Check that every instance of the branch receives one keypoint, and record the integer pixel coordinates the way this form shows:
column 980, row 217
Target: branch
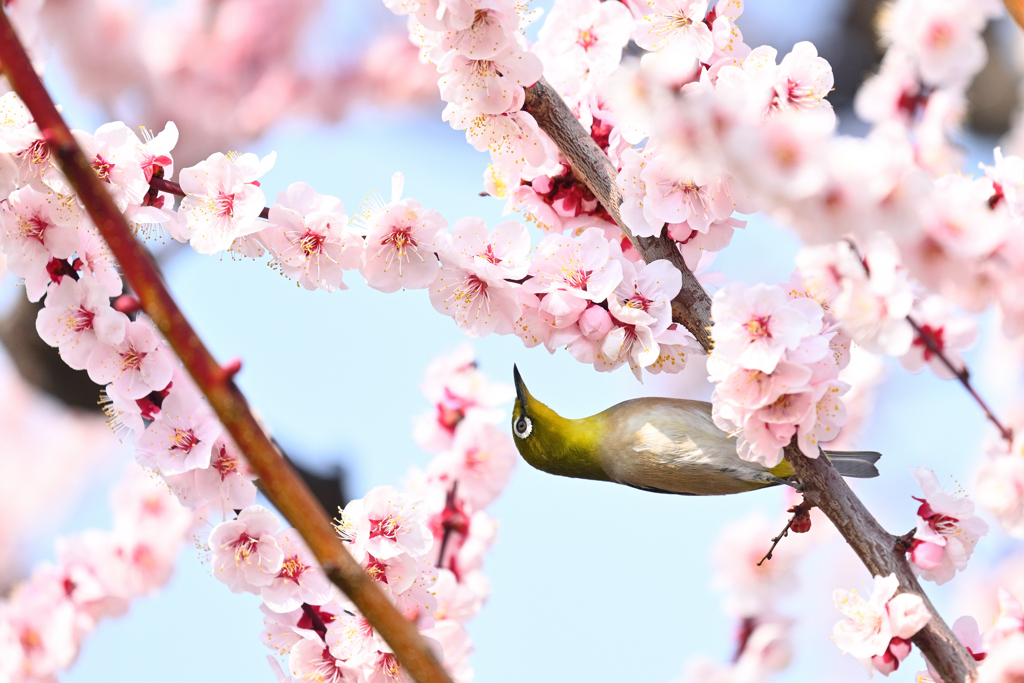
column 881, row 554
column 692, row 307
column 282, row 485
column 821, row 484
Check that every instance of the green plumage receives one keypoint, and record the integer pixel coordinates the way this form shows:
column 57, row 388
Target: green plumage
column 656, row 444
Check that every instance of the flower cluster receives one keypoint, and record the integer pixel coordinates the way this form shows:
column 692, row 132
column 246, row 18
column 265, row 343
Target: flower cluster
column 776, row 364
column 877, row 631
column 947, row 531
column 425, row 549
column 96, row 575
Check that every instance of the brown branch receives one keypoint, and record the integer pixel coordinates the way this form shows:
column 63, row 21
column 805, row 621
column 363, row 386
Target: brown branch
column 692, row 307
column 821, row 484
column 878, row 550
column 282, row 485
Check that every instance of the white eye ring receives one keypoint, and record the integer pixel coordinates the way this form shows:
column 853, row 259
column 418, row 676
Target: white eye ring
column 523, row 427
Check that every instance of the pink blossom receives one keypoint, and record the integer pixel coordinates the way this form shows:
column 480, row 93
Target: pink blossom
column 966, row 630
column 182, row 437
column 581, row 43
column 114, row 154
column 632, row 344
column 644, row 297
column 155, row 152
column 871, row 625
column 479, row 302
column 401, row 239
column 223, row 200
column 582, row 268
column 513, row 139
column 490, row 86
column 387, row 523
column 311, row 660
column 246, row 555
column 36, row 230
column 43, row 621
column 77, row 319
column 1000, row 485
column 947, row 531
column 138, row 365
column 676, row 22
column 950, row 334
column 309, row 235
column 480, row 463
column 487, row 35
column 944, row 36
column 502, row 254
column 750, row 590
column 96, row 260
column 874, row 308
column 351, row 637
column 755, row 325
column 299, row 578
column 1010, row 620
column 228, row 479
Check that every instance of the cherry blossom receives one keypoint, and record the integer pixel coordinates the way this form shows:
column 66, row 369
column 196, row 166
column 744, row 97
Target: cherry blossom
column 490, row 86
column 308, row 234
column 644, row 297
column 115, row 156
column 479, row 302
column 503, row 253
column 246, row 555
column 1000, row 484
column 580, row 269
column 676, row 22
column 950, row 334
column 311, row 660
column 36, row 230
column 871, row 626
column 754, row 326
column 387, row 523
column 299, row 578
column 223, row 199
column 947, row 531
column 480, row 462
column 228, row 479
column 182, row 437
column 78, row 319
column 401, row 238
column 138, row 365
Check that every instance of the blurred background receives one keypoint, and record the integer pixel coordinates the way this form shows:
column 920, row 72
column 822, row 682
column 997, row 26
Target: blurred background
column 590, row 581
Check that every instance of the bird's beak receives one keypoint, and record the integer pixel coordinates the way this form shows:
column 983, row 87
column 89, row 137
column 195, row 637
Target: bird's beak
column 521, row 392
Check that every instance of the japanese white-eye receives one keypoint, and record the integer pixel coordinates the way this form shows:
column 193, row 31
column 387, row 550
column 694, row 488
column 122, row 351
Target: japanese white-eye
column 665, row 445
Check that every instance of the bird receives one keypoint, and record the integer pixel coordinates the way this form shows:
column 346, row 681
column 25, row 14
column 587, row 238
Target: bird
column 662, row 445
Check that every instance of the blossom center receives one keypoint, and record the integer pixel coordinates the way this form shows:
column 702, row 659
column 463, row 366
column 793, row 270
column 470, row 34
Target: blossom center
column 400, row 238
column 80, row 319
column 224, row 205
column 312, row 243
column 489, row 255
column 385, row 528
column 183, row 440
column 131, row 359
column 586, row 38
column 292, row 568
column 33, row 228
column 376, row 569
column 576, row 277
column 103, row 167
column 757, row 327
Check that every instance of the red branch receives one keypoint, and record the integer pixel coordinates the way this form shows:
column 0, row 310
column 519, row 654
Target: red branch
column 280, row 482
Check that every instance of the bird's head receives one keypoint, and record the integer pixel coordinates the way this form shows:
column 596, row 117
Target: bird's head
column 553, row 443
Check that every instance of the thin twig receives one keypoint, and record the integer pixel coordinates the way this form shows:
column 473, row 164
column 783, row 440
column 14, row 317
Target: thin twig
column 961, row 373
column 282, row 485
column 798, row 511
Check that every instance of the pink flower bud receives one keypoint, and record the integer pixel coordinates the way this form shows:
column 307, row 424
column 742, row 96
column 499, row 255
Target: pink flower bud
column 900, row 648
column 595, row 323
column 926, row 555
column 885, row 663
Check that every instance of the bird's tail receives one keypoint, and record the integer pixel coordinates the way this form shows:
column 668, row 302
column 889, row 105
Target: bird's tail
column 859, row 464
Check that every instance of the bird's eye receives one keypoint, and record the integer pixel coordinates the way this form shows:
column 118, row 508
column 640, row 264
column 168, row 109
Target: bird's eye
column 523, row 427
